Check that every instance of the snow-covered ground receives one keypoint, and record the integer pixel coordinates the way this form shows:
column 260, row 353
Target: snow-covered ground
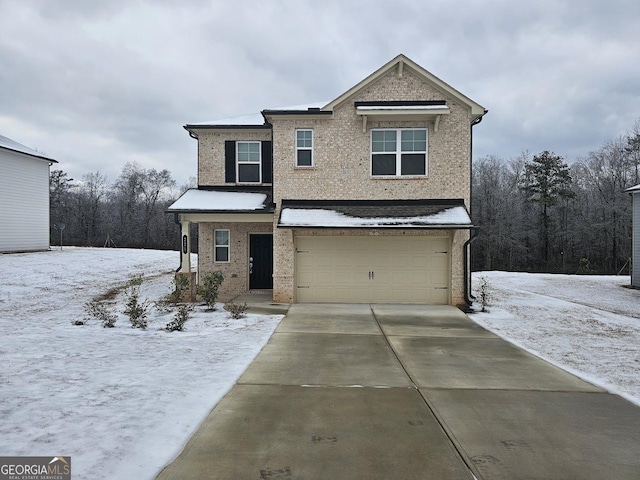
column 120, row 401
column 588, row 325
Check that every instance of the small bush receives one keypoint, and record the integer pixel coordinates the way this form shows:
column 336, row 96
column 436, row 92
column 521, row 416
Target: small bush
column 136, row 310
column 236, row 310
column 97, row 309
column 180, row 285
column 484, row 293
column 584, row 266
column 209, row 286
column 180, row 318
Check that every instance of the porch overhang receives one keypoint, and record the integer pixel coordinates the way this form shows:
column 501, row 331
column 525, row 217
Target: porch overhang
column 375, row 214
column 222, row 204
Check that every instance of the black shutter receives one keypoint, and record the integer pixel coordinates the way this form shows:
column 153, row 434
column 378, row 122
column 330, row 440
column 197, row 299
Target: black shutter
column 230, row 161
column 267, row 162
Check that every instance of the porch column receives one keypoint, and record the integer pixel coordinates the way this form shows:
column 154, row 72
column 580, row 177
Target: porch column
column 185, row 247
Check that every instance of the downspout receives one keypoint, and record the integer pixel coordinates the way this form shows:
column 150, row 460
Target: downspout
column 468, row 297
column 176, row 218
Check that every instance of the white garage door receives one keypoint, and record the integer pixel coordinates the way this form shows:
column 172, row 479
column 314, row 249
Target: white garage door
column 373, row 269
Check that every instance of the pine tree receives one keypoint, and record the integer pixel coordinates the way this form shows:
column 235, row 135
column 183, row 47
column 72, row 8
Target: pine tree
column 546, row 181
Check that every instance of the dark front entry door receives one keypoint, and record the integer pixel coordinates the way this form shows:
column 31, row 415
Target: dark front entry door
column 260, row 262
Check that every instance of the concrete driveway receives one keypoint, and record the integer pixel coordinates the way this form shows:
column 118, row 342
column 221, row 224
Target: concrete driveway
column 407, row 392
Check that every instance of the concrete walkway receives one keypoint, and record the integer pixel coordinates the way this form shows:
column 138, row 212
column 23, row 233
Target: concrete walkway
column 407, row 392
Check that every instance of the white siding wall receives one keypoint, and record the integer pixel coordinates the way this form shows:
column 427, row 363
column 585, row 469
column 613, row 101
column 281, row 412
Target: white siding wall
column 635, row 273
column 24, row 202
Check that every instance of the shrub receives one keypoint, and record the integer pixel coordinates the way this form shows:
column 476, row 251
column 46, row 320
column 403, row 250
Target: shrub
column 180, row 318
column 484, row 293
column 236, row 310
column 584, row 266
column 209, row 286
column 97, row 309
column 136, row 310
column 180, row 285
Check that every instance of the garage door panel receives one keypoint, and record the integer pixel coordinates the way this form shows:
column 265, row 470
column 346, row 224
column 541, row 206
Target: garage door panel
column 368, row 269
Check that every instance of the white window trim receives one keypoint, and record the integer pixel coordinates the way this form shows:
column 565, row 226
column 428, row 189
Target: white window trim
column 238, row 162
column 304, row 148
column 398, row 153
column 216, row 246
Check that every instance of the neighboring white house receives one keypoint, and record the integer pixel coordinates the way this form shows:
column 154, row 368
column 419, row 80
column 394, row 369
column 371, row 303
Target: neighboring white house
column 24, row 198
column 635, row 257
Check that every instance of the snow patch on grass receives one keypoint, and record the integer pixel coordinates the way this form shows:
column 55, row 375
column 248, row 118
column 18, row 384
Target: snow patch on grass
column 120, row 401
column 588, row 325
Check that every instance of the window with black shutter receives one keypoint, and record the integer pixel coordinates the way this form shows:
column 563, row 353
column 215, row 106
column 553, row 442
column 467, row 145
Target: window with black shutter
column 248, row 161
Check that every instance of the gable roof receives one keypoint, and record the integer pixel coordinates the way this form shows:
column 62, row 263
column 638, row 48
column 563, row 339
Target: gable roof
column 401, row 62
column 261, row 120
column 8, row 144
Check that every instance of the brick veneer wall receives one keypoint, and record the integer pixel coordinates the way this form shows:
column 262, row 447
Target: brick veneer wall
column 236, row 271
column 341, row 168
column 342, row 151
column 211, row 151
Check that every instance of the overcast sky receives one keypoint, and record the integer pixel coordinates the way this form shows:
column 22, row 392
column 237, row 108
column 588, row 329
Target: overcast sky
column 97, row 84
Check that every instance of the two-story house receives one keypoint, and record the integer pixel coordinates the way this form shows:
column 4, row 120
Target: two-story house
column 362, row 199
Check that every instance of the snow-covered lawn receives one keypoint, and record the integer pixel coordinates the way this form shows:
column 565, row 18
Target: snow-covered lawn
column 589, row 325
column 121, row 401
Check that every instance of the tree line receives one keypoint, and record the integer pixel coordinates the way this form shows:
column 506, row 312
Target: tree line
column 535, row 213
column 538, row 213
column 129, row 212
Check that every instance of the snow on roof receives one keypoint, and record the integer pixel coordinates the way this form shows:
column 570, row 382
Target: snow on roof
column 318, row 217
column 256, row 118
column 251, row 119
column 9, row 144
column 633, row 189
column 215, row 200
column 302, row 108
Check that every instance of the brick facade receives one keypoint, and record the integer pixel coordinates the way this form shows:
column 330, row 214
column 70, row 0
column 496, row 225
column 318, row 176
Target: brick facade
column 342, row 166
column 236, row 271
column 342, row 151
column 342, row 171
column 211, row 151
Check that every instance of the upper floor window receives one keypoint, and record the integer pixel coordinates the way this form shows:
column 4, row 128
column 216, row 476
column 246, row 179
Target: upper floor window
column 304, row 148
column 248, row 162
column 398, row 152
